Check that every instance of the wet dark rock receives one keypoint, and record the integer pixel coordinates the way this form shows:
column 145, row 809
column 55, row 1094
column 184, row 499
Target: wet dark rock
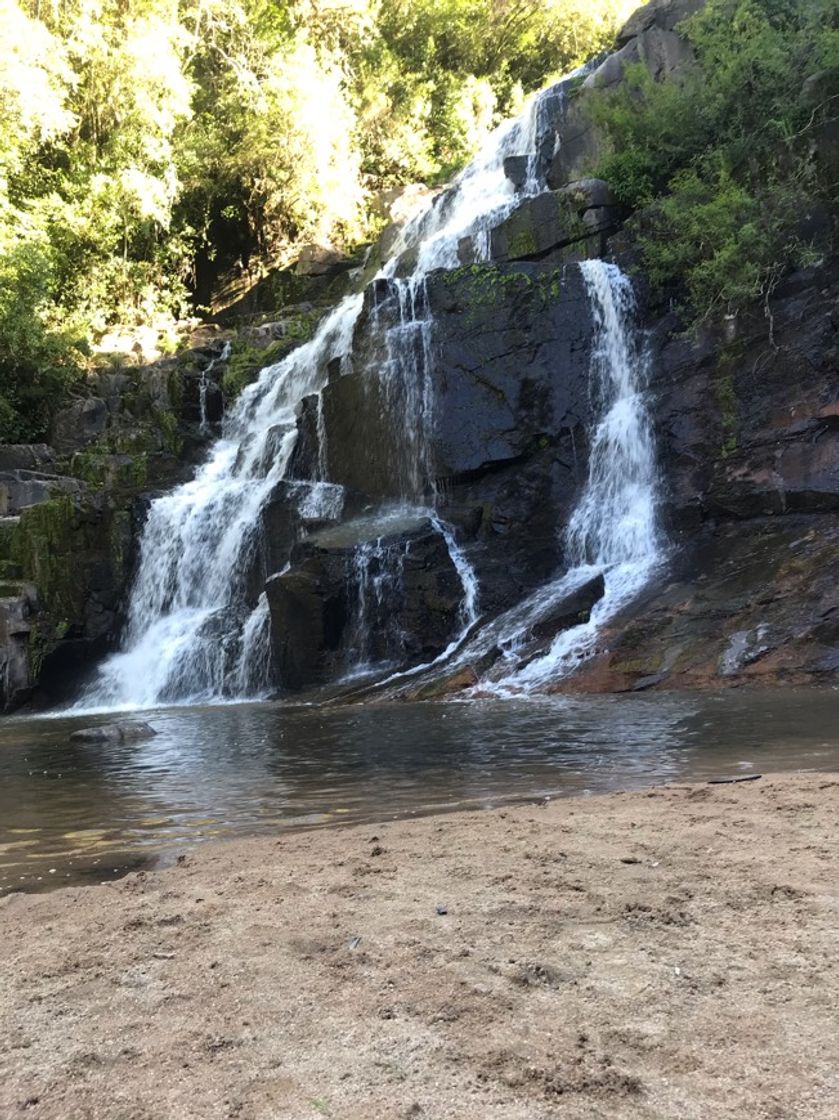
column 515, row 169
column 746, row 416
column 448, row 681
column 295, row 509
column 123, row 731
column 410, row 602
column 574, row 609
column 506, row 450
column 548, row 221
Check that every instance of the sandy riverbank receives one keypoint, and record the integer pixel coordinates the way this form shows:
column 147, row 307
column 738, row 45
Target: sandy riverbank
column 668, row 954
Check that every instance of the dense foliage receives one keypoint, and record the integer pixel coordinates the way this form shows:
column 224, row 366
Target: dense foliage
column 727, row 163
column 146, row 140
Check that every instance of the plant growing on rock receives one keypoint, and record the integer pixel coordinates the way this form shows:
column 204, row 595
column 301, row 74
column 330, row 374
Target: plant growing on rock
column 733, row 165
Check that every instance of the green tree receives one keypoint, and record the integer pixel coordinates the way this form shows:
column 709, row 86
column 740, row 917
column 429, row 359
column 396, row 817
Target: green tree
column 724, row 162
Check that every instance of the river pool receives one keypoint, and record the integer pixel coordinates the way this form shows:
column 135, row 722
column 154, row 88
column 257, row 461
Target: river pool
column 75, row 812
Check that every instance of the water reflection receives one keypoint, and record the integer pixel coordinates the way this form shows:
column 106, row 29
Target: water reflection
column 69, row 809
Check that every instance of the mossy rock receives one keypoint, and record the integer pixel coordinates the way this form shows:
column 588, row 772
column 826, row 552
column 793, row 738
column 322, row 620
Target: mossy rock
column 46, row 547
column 112, row 471
column 247, row 361
column 73, row 553
column 8, row 535
column 542, row 224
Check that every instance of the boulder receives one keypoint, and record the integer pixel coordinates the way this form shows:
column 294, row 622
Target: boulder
column 570, row 611
column 20, row 488
column 548, row 223
column 534, row 228
column 26, row 456
column 817, row 89
column 662, row 14
column 79, row 424
column 122, row 731
column 321, row 260
column 293, row 510
column 371, row 592
column 515, row 169
column 587, row 194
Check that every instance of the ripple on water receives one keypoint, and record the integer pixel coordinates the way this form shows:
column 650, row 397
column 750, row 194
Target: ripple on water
column 72, row 812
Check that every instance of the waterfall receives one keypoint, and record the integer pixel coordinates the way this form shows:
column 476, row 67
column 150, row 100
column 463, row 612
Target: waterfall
column 377, row 575
column 613, row 530
column 189, row 613
column 253, row 671
column 404, row 376
column 197, row 629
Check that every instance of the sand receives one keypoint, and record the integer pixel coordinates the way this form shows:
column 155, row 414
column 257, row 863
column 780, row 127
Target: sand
column 670, row 953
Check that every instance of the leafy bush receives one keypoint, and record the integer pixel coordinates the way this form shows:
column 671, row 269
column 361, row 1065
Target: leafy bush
column 723, row 159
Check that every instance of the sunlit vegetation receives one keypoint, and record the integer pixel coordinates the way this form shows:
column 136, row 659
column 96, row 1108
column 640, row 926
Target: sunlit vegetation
column 734, row 166
column 144, row 141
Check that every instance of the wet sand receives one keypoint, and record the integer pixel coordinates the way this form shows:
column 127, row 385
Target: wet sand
column 669, row 954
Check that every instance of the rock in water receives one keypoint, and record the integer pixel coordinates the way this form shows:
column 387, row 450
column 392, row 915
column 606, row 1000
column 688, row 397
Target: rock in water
column 123, row 731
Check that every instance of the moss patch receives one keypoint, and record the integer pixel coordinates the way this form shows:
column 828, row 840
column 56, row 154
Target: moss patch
column 247, row 361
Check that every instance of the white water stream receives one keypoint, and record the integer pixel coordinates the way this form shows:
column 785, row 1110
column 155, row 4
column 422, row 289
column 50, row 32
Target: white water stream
column 614, row 529
column 195, row 633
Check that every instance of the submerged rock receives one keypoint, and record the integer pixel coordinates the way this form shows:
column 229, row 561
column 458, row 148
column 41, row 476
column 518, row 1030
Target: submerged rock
column 122, row 731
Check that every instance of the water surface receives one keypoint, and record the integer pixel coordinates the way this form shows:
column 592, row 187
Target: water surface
column 84, row 811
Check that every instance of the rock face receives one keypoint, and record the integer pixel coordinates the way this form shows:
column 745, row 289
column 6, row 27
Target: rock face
column 504, row 441
column 20, row 488
column 70, row 512
column 747, row 423
column 371, row 593
column 79, row 554
column 649, row 37
column 493, row 422
column 18, row 605
column 750, row 415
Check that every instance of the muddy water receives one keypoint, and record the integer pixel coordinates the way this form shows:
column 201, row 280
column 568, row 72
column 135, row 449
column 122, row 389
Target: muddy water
column 73, row 812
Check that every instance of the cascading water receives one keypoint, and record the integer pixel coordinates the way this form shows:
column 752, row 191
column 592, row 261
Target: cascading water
column 195, row 632
column 404, row 376
column 614, row 530
column 377, row 570
column 189, row 615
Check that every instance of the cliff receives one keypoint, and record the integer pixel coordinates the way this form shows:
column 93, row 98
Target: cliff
column 434, row 473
